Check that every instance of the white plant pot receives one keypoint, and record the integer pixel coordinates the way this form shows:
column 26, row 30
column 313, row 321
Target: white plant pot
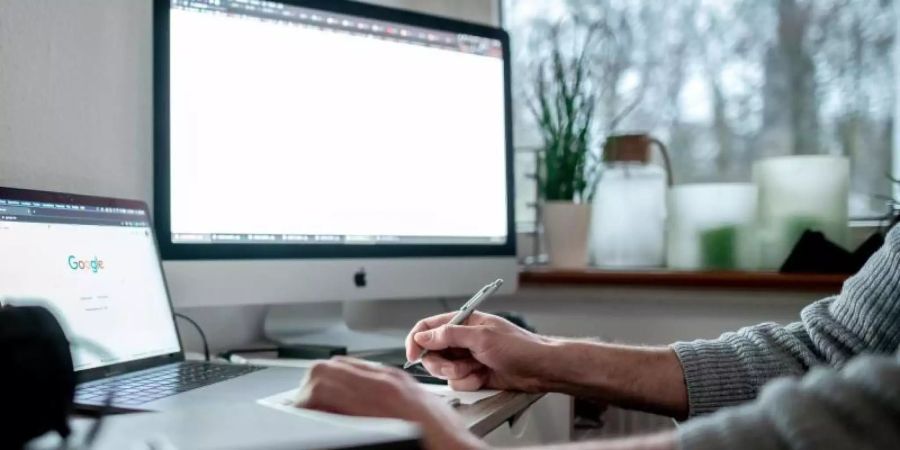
column 566, row 226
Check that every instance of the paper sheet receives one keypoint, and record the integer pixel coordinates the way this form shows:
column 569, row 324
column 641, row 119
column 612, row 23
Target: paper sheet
column 287, row 398
column 465, row 398
column 284, row 402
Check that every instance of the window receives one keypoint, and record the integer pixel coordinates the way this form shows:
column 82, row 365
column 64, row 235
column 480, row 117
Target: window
column 726, row 82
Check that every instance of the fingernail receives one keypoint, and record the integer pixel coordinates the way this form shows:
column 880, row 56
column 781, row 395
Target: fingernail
column 447, row 370
column 424, row 336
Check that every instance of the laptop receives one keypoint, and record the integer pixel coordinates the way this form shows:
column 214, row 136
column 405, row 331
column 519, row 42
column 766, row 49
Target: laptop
column 94, row 263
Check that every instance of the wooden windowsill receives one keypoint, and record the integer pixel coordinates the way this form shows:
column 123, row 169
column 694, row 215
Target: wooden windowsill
column 536, row 276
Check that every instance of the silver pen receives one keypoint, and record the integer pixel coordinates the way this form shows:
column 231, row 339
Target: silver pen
column 464, row 312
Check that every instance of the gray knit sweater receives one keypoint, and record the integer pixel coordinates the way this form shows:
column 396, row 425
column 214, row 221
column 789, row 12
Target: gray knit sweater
column 850, row 395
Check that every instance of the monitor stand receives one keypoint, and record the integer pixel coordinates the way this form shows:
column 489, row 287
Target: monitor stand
column 323, row 324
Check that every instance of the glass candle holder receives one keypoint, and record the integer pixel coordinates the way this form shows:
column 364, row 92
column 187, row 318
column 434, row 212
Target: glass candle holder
column 799, row 193
column 709, row 226
column 629, row 216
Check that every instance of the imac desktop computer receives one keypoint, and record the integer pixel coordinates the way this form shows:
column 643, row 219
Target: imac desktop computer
column 329, row 151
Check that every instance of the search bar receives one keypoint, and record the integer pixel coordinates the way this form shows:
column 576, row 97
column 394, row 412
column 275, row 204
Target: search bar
column 15, row 210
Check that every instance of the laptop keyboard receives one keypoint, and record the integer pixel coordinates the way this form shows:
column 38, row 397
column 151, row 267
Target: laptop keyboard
column 153, row 384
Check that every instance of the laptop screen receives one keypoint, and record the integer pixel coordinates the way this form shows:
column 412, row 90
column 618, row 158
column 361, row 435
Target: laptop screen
column 97, row 269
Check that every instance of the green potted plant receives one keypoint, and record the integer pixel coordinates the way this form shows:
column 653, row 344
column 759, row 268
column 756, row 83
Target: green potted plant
column 562, row 104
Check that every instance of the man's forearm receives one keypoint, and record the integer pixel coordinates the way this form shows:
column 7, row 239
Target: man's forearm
column 645, row 378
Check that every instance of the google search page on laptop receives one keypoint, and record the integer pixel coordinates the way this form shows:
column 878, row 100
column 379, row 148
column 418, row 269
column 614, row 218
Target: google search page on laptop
column 103, row 283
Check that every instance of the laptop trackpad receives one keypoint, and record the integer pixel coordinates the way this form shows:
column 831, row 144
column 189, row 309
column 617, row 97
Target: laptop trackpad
column 243, row 389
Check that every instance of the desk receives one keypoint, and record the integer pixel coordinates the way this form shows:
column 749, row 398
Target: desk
column 234, row 426
column 488, row 414
column 509, row 418
column 514, row 419
column 554, row 411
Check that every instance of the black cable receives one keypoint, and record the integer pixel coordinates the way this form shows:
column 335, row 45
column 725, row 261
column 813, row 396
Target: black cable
column 94, row 431
column 107, row 408
column 104, row 411
column 199, row 331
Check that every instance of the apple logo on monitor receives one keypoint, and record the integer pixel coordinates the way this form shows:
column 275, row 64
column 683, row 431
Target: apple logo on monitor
column 359, row 278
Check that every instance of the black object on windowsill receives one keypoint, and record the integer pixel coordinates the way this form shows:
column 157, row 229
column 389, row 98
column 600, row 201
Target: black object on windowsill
column 814, row 253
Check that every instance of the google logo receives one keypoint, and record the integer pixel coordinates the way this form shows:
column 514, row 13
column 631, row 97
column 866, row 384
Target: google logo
column 95, row 265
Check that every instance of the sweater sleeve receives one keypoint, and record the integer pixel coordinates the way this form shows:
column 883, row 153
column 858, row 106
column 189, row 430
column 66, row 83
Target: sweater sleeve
column 865, row 317
column 855, row 408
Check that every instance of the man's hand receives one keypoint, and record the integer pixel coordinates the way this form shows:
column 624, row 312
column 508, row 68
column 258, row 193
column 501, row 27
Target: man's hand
column 492, row 353
column 487, row 352
column 353, row 387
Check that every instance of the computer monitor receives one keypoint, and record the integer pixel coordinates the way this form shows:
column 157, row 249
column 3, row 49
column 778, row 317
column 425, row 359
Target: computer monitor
column 312, row 151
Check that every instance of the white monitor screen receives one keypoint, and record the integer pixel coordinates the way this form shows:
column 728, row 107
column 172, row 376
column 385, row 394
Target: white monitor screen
column 298, row 126
column 96, row 269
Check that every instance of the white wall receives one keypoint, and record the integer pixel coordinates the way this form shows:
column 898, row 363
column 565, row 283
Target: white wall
column 76, row 116
column 75, row 96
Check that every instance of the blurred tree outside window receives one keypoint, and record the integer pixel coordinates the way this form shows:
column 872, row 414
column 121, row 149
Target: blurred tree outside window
column 726, row 82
